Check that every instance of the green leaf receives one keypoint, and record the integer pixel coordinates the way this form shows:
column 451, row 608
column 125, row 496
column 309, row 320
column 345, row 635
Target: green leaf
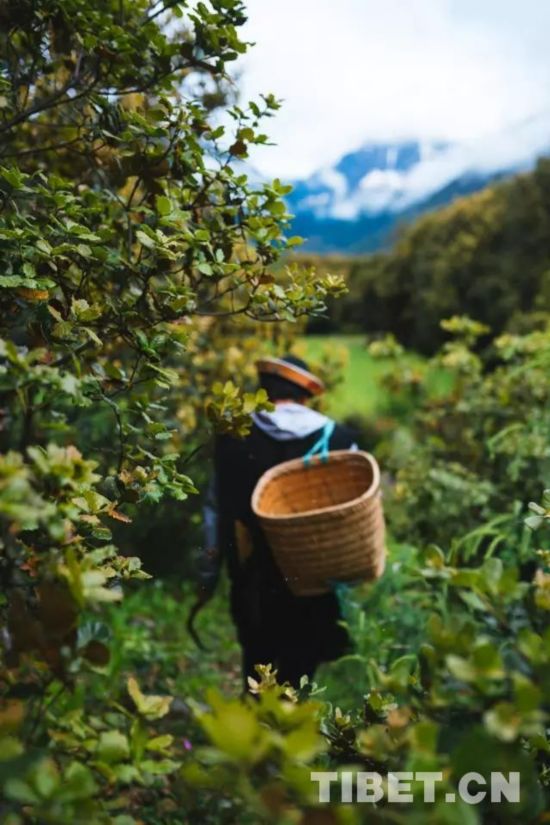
column 112, row 746
column 235, row 730
column 145, row 240
column 152, row 707
column 162, row 767
column 160, row 743
column 19, row 791
column 13, row 176
column 164, row 205
column 78, row 783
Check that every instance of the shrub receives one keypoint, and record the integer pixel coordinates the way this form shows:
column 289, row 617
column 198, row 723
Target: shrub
column 127, row 242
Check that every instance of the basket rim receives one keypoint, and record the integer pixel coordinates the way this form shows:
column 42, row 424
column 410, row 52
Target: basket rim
column 298, row 464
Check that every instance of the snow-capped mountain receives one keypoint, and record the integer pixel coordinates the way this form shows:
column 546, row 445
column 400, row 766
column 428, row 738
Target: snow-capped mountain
column 353, row 205
column 371, row 180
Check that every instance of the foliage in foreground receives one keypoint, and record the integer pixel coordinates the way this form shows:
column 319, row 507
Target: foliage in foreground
column 471, row 690
column 455, row 679
column 474, row 456
column 127, row 243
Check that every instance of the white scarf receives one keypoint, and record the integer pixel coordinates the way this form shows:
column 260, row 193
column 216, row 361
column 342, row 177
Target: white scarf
column 290, row 420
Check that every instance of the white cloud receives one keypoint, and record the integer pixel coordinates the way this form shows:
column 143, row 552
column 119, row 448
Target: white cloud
column 358, row 70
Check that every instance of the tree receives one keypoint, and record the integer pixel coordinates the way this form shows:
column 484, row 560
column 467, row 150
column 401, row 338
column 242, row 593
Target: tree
column 485, row 256
column 126, row 238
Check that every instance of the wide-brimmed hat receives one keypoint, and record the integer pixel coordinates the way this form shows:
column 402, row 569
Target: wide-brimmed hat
column 292, row 369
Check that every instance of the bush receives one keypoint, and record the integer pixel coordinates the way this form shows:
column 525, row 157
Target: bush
column 127, row 244
column 452, row 667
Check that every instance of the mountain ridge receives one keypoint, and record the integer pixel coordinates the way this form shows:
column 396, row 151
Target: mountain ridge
column 356, row 204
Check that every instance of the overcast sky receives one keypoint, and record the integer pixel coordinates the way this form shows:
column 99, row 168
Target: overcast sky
column 357, row 70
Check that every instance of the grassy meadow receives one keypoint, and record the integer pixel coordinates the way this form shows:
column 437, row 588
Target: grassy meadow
column 362, row 392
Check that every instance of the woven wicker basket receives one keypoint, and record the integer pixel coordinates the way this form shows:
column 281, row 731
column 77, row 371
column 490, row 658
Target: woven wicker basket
column 324, row 522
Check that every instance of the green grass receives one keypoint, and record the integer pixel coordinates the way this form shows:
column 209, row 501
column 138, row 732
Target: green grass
column 150, row 640
column 362, row 391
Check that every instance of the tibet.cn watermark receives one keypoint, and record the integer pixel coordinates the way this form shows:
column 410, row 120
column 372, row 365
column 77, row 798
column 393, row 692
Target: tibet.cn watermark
column 405, row 786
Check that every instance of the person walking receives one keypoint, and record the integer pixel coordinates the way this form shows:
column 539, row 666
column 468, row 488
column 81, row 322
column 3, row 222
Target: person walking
column 293, row 633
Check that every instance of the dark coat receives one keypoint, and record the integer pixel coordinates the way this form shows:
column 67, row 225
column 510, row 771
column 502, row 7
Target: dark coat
column 295, row 633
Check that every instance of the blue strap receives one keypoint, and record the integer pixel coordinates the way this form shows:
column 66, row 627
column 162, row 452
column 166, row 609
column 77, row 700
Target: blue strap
column 341, row 591
column 321, row 447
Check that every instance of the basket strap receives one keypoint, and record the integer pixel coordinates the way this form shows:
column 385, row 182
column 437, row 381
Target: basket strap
column 321, row 447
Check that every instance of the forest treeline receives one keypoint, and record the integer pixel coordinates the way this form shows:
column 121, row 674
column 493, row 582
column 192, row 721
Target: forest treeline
column 485, row 256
